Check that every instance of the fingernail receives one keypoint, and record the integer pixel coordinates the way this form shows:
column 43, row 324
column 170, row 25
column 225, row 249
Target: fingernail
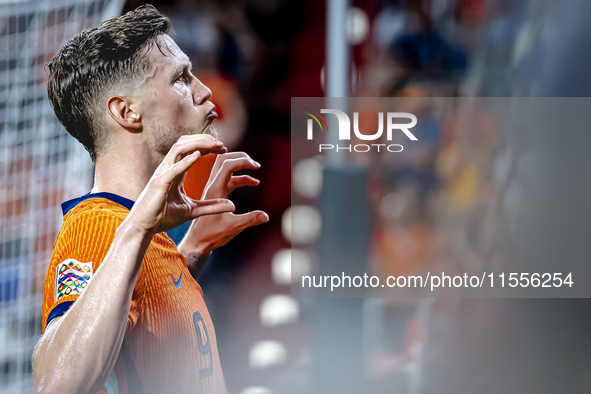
column 265, row 217
column 257, row 164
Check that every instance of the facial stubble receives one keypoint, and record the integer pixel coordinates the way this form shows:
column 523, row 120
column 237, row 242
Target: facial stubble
column 164, row 139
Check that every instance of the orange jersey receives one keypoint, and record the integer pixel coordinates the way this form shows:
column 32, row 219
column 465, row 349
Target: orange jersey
column 170, row 344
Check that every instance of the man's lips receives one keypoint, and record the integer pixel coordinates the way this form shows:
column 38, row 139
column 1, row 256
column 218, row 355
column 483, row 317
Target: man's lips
column 211, row 115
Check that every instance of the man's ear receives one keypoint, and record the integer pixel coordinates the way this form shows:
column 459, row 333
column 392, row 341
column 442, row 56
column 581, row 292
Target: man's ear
column 123, row 112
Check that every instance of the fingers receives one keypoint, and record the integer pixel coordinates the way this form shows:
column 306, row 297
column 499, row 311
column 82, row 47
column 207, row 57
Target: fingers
column 187, row 144
column 219, row 186
column 242, row 180
column 211, row 207
column 251, row 219
column 180, row 168
column 221, row 158
column 231, row 165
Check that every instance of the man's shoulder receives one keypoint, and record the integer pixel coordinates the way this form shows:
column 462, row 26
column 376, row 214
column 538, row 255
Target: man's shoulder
column 95, row 210
column 96, row 215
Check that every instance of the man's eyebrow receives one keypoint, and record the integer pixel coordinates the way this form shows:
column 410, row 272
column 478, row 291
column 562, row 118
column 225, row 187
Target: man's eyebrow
column 183, row 66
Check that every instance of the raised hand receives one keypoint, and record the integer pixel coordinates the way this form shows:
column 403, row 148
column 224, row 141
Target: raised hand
column 209, row 233
column 163, row 204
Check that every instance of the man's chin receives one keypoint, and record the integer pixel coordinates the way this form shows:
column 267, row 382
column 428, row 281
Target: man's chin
column 211, row 130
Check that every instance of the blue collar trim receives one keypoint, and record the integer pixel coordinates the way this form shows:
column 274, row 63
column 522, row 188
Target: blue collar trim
column 68, row 205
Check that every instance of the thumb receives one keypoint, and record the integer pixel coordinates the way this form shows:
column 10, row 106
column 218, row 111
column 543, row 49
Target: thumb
column 250, row 219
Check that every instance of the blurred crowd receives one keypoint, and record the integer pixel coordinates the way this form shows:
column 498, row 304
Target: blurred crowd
column 443, row 204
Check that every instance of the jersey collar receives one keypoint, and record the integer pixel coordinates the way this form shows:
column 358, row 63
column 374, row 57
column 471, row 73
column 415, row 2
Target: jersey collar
column 68, row 205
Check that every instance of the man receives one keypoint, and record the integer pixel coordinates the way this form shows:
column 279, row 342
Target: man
column 121, row 311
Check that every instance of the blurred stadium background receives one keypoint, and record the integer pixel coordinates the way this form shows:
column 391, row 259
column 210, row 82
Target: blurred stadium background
column 255, row 55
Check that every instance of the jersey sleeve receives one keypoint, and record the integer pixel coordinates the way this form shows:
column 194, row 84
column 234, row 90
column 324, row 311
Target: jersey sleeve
column 78, row 252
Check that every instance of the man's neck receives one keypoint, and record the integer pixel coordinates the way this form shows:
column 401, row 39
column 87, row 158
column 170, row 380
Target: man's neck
column 123, row 174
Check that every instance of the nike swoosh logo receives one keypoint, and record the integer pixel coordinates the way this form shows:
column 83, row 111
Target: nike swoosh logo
column 177, row 284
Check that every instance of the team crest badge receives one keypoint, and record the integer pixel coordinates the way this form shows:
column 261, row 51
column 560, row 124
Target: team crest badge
column 71, row 278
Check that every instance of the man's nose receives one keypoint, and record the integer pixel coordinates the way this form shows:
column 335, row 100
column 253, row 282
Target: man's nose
column 201, row 93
